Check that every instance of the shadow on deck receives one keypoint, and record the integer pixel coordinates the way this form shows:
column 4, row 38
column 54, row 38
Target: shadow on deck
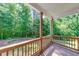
column 58, row 50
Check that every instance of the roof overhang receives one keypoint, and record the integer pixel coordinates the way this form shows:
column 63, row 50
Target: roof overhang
column 56, row 9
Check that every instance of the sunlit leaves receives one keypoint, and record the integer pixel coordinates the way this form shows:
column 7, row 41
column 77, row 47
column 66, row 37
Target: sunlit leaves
column 67, row 25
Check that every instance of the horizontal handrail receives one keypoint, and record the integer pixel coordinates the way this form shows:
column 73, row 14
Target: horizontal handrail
column 68, row 41
column 33, row 43
column 73, row 37
column 33, row 46
column 9, row 47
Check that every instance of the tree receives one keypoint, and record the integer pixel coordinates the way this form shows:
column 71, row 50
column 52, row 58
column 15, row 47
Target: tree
column 14, row 20
column 67, row 25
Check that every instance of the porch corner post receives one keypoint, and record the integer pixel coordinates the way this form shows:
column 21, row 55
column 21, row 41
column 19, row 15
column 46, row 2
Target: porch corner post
column 51, row 26
column 41, row 19
column 51, row 29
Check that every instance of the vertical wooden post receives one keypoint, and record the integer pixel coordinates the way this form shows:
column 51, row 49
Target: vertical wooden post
column 51, row 27
column 41, row 19
column 0, row 54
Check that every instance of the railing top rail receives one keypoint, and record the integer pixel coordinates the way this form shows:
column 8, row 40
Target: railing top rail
column 73, row 37
column 12, row 46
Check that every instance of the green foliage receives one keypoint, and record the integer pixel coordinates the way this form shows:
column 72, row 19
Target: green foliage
column 36, row 27
column 67, row 25
column 16, row 22
column 46, row 26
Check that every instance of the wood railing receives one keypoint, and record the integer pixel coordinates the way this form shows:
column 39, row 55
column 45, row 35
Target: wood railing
column 67, row 41
column 26, row 48
column 34, row 47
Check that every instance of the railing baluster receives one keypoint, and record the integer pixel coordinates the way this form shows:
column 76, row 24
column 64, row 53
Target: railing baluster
column 74, row 43
column 22, row 51
column 70, row 42
column 28, row 49
column 25, row 49
column 7, row 53
column 17, row 51
column 13, row 52
column 65, row 41
column 78, row 44
column 0, row 54
column 33, row 47
column 38, row 45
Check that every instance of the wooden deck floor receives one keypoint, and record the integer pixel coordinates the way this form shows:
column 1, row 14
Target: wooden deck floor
column 58, row 50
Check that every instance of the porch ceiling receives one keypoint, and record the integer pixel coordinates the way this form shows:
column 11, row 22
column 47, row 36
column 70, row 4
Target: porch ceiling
column 56, row 9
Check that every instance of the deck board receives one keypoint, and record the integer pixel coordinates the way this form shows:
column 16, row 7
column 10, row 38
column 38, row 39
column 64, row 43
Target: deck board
column 58, row 50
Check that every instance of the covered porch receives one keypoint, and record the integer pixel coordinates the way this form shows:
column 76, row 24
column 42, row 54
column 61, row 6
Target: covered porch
column 51, row 45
